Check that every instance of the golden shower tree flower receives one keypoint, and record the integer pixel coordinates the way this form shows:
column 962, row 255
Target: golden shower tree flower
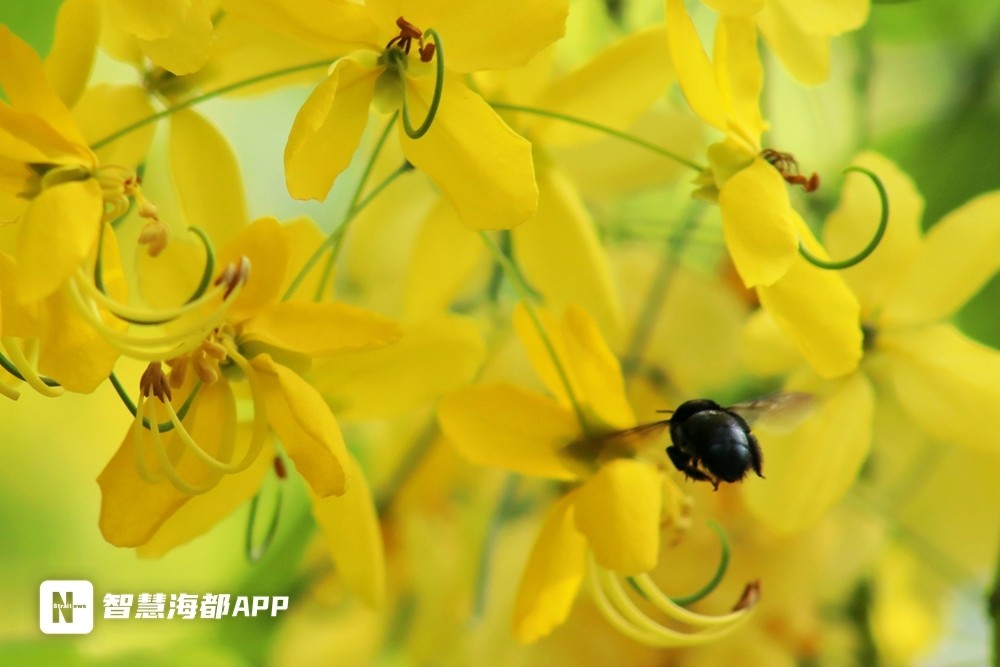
column 908, row 288
column 750, row 183
column 390, row 61
column 262, row 345
column 611, row 515
column 799, row 31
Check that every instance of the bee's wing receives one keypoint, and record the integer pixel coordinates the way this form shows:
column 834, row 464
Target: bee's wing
column 779, row 412
column 624, row 439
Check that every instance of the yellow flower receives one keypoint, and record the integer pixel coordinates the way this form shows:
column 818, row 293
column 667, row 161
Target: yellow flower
column 908, row 287
column 174, row 34
column 799, row 31
column 482, row 167
column 615, row 505
column 162, row 489
column 762, row 230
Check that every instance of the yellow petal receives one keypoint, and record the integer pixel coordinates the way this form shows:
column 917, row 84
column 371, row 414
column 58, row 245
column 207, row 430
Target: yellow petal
column 740, row 74
column 132, row 510
column 328, row 128
column 816, row 310
column 852, row 224
column 481, row 35
column 320, row 329
column 434, row 357
column 306, row 428
column 70, row 349
column 504, row 426
column 264, row 243
column 78, row 28
column 353, row 535
column 694, row 71
column 334, row 27
column 618, row 510
column 759, row 223
column 947, row 383
column 809, row 468
column 17, row 318
column 58, row 231
column 562, row 257
column 591, row 367
column 482, row 166
column 826, row 17
column 552, row 575
column 25, row 137
column 201, row 513
column 104, row 109
column 933, row 287
column 148, row 19
column 804, row 54
column 767, row 350
column 187, row 47
column 612, row 89
column 445, row 257
column 207, row 177
column 23, row 81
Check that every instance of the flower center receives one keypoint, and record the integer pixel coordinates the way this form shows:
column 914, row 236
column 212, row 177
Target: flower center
column 206, row 360
column 404, row 40
column 788, row 167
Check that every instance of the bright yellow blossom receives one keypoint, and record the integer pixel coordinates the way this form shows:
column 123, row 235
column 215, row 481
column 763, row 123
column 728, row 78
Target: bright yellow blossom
column 908, row 287
column 612, row 515
column 482, row 166
column 150, row 481
column 762, row 230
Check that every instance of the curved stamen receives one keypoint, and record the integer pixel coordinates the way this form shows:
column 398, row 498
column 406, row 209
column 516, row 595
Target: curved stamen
column 868, row 249
column 720, row 572
column 432, row 110
column 26, row 372
column 169, row 469
column 621, row 612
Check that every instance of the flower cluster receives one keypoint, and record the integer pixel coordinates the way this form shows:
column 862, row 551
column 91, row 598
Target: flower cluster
column 577, row 323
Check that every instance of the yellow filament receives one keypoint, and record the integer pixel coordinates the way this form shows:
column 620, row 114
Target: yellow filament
column 258, row 435
column 623, row 613
column 677, row 612
column 142, row 348
column 137, row 444
column 9, row 392
column 171, row 472
column 26, row 370
column 149, row 316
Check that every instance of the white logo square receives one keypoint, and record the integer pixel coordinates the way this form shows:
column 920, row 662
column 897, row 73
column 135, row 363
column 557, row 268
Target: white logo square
column 66, row 607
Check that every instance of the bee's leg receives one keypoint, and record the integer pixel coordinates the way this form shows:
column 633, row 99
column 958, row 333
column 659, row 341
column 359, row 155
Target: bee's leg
column 679, row 458
column 756, row 456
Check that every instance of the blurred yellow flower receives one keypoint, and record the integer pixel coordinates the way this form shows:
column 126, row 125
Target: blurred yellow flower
column 799, row 31
column 944, row 380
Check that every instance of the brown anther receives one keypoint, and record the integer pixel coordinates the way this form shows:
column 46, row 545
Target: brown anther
column 788, row 167
column 404, row 40
column 279, row 468
column 427, row 52
column 234, row 275
column 407, row 30
column 154, row 383
column 214, row 350
column 750, row 597
column 178, row 371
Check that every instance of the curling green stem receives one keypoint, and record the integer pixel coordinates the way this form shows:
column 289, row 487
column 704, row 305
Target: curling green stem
column 334, row 240
column 332, row 259
column 720, row 571
column 209, row 271
column 162, row 427
column 243, row 83
column 624, row 136
column 868, row 249
column 438, row 88
column 521, row 287
column 255, row 552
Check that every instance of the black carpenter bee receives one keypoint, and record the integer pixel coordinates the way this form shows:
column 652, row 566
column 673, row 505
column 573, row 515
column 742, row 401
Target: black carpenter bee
column 710, row 443
column 713, row 443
